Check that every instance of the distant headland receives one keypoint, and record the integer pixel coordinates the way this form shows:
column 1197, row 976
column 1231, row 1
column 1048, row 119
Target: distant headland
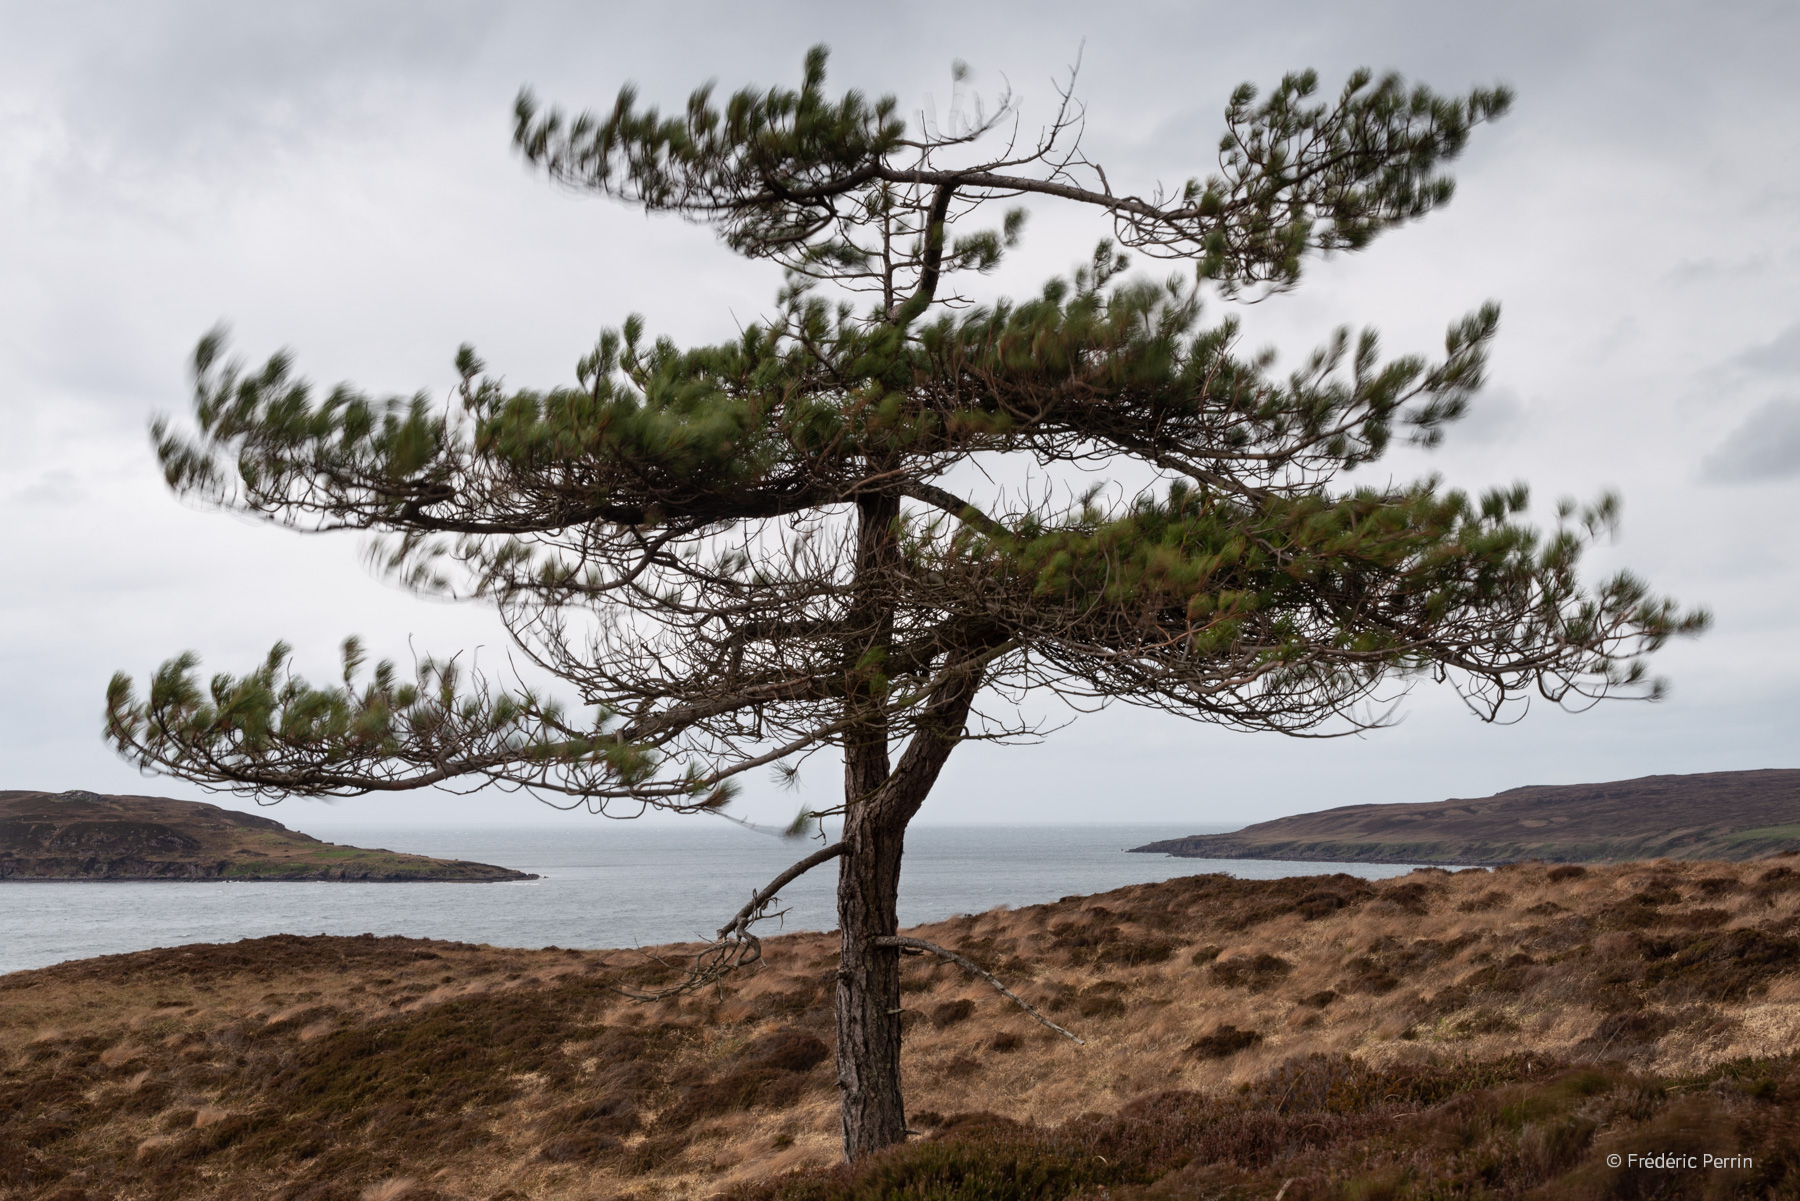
column 86, row 836
column 1733, row 815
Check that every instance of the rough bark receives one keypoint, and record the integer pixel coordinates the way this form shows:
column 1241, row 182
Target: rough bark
column 868, row 987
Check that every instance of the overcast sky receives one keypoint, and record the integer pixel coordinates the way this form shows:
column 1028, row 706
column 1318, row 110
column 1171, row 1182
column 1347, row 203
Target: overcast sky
column 337, row 179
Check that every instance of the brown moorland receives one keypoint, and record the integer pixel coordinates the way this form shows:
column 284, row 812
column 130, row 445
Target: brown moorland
column 1736, row 815
column 1466, row 1034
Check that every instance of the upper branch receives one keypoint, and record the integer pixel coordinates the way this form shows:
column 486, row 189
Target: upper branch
column 952, row 504
column 793, row 176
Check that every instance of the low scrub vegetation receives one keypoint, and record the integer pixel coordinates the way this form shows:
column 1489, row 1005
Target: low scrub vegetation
column 1466, row 1034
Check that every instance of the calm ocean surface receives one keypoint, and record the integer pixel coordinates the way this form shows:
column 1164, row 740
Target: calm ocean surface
column 616, row 884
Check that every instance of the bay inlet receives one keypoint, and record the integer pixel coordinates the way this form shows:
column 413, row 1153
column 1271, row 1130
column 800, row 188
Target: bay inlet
column 611, row 884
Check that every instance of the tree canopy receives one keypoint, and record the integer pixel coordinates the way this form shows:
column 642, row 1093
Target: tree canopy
column 738, row 555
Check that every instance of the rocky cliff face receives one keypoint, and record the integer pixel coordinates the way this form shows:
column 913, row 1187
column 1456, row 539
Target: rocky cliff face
column 103, row 867
column 86, row 836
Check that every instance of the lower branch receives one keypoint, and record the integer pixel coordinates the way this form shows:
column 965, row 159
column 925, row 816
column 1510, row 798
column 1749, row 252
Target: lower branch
column 736, row 947
column 739, row 925
column 919, row 944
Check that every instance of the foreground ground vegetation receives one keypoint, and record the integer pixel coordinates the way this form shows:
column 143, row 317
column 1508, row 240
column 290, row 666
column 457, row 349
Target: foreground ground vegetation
column 1466, row 1034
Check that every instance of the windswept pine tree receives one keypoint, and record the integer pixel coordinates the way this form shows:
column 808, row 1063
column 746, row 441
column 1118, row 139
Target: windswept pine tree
column 744, row 554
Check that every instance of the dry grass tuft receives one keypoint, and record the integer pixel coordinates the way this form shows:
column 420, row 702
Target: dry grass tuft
column 1223, row 1041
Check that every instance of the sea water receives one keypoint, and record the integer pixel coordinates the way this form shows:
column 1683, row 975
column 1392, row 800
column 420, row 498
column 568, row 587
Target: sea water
column 614, row 884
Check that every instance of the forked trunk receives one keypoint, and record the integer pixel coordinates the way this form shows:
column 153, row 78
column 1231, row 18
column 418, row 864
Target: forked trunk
column 868, row 983
column 878, row 803
column 868, row 987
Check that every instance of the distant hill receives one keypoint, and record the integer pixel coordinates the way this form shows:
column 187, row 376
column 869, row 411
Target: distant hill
column 1716, row 815
column 86, row 836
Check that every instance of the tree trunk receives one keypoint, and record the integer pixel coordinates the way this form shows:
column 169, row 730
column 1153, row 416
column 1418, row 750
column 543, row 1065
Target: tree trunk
column 868, row 984
column 868, row 981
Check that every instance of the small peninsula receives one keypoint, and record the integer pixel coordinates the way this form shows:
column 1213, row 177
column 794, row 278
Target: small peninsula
column 1728, row 815
column 86, row 836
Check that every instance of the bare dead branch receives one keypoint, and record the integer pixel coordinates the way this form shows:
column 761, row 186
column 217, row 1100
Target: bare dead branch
column 740, row 923
column 736, row 946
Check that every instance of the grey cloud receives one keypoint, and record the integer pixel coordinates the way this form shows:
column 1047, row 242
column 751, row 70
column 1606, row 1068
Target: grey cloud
column 1765, row 447
column 1712, row 270
column 1494, row 417
column 1779, row 356
column 54, row 489
column 172, row 87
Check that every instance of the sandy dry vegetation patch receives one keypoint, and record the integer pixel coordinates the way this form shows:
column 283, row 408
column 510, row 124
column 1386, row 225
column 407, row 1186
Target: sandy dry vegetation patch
column 325, row 1068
